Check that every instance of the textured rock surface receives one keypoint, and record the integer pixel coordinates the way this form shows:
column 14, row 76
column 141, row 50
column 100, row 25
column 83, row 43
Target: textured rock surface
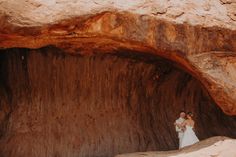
column 215, row 66
column 178, row 30
column 61, row 102
column 202, row 12
column 212, row 147
column 58, row 104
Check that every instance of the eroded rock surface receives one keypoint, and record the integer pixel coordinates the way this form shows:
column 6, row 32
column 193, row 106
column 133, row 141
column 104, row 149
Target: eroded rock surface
column 73, row 100
column 58, row 104
column 214, row 66
column 177, row 30
column 203, row 12
column 212, row 147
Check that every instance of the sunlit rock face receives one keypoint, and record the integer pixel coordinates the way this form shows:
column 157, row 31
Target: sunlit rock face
column 203, row 12
column 100, row 78
column 182, row 31
column 59, row 104
column 215, row 146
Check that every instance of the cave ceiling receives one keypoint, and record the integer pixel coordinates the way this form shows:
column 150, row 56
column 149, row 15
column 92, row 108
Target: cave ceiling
column 200, row 36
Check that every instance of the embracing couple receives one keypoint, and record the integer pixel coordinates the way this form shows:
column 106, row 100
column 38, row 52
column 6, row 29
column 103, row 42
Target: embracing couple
column 184, row 127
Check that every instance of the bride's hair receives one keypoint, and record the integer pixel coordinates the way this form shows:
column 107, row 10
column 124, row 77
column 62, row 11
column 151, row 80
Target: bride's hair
column 190, row 114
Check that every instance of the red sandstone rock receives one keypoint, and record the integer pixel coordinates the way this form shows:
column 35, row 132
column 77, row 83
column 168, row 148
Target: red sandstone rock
column 174, row 29
column 213, row 147
column 60, row 102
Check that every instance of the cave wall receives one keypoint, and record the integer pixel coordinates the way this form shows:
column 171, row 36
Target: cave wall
column 61, row 105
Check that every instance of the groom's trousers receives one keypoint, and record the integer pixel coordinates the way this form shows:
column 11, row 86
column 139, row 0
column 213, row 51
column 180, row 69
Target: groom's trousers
column 180, row 135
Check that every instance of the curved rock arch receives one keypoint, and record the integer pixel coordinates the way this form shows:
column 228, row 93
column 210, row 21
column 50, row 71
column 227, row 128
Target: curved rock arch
column 206, row 52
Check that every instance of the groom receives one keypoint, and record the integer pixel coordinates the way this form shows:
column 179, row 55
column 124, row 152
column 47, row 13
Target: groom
column 179, row 129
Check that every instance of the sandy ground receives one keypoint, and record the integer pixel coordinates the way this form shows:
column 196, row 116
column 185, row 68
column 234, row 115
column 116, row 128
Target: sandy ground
column 213, row 147
column 226, row 148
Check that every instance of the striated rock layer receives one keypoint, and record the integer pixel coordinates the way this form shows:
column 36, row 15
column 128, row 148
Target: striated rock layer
column 182, row 31
column 59, row 104
column 102, row 87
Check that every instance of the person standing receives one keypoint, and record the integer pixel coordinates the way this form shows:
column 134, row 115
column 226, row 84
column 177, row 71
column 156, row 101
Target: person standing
column 189, row 136
column 179, row 127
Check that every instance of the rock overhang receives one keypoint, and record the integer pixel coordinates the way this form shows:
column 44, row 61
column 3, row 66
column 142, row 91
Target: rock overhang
column 97, row 26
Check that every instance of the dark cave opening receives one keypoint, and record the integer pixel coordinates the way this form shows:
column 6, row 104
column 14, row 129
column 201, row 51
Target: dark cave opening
column 57, row 104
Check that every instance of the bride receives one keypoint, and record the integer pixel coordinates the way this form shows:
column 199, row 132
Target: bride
column 189, row 136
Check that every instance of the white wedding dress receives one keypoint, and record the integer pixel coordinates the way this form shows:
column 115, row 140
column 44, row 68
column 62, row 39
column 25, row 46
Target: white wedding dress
column 189, row 137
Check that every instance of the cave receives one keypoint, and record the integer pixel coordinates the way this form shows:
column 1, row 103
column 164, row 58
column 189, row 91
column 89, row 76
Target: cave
column 99, row 78
column 57, row 104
